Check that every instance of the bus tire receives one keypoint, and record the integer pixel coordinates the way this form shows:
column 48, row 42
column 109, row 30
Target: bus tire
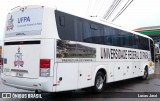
column 99, row 82
column 145, row 75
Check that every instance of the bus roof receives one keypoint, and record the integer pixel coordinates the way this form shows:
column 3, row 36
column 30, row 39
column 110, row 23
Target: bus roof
column 100, row 21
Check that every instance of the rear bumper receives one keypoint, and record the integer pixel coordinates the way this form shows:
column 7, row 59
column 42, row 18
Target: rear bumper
column 41, row 83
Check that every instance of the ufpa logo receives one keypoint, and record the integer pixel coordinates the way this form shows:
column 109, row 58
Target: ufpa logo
column 18, row 59
column 10, row 24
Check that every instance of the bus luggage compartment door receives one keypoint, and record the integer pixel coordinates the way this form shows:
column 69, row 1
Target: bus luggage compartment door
column 67, row 76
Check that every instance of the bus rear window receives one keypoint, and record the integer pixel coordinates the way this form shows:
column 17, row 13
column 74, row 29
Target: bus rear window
column 24, row 23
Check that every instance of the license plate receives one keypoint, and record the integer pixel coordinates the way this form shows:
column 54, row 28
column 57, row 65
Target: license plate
column 19, row 74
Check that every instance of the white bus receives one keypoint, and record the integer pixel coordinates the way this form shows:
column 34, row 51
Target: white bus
column 49, row 50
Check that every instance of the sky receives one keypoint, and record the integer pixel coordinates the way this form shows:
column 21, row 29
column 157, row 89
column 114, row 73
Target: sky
column 140, row 13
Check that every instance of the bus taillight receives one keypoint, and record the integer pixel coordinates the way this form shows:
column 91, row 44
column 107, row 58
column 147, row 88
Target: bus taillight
column 45, row 67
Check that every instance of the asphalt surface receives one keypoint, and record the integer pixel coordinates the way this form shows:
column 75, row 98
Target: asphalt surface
column 126, row 90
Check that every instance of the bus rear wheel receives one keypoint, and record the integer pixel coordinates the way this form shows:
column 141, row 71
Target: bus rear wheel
column 99, row 82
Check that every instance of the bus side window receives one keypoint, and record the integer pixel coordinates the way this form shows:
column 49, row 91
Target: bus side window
column 107, row 36
column 130, row 45
column 101, row 35
column 61, row 20
column 119, row 38
column 136, row 41
column 145, row 44
column 78, row 29
column 87, row 36
column 122, row 38
column 96, row 33
column 126, row 38
column 66, row 32
column 115, row 37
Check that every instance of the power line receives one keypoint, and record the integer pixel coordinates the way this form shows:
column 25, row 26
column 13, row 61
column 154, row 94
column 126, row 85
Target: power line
column 98, row 7
column 103, row 4
column 94, row 4
column 108, row 11
column 95, row 7
column 112, row 9
column 122, row 10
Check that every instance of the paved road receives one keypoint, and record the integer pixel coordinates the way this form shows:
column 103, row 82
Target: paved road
column 152, row 84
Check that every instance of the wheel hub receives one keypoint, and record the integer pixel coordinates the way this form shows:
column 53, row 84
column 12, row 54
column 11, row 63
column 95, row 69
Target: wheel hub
column 99, row 82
